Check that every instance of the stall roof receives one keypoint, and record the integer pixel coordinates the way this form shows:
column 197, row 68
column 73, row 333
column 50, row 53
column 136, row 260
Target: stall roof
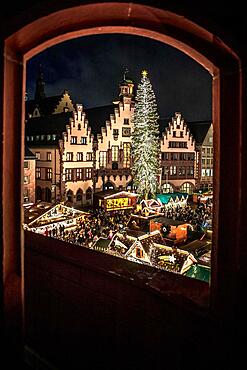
column 113, row 193
column 169, row 221
column 34, row 216
column 165, row 198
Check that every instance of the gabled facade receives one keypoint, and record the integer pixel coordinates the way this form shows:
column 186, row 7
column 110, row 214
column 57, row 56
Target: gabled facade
column 113, row 157
column 203, row 134
column 83, row 151
column 206, row 159
column 29, row 182
column 77, row 159
column 178, row 157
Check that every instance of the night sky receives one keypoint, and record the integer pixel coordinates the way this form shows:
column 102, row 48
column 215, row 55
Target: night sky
column 92, row 67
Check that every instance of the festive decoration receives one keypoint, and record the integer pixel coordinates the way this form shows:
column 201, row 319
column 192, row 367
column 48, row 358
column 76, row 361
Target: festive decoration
column 145, row 140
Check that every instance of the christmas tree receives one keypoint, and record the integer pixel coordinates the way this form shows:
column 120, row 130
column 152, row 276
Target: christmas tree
column 145, row 140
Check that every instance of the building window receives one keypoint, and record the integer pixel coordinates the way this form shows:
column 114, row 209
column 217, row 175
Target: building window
column 37, row 137
column 48, row 137
column 126, row 154
column 69, row 156
column 48, row 156
column 48, row 173
column 26, row 180
column 68, row 174
column 26, row 164
column 88, row 173
column 181, row 134
column 79, row 156
column 83, row 140
column 114, row 153
column 53, row 137
column 73, row 140
column 37, row 155
column 186, row 188
column 167, row 188
column 126, row 121
column 79, row 126
column 174, row 134
column 115, row 133
column 89, row 156
column 102, row 159
column 79, row 174
column 38, row 173
column 42, row 137
column 26, row 195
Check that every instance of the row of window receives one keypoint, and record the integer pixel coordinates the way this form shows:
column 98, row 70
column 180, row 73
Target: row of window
column 41, row 137
column 79, row 156
column 178, row 144
column 207, row 150
column 207, row 161
column 48, row 173
column 177, row 170
column 75, row 174
column 207, row 172
column 48, row 156
column 83, row 140
column 165, row 156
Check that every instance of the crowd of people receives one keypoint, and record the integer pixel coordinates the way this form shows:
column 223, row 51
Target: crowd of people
column 102, row 224
column 90, row 228
column 199, row 215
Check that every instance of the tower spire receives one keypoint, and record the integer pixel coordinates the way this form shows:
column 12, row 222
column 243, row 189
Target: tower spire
column 40, row 86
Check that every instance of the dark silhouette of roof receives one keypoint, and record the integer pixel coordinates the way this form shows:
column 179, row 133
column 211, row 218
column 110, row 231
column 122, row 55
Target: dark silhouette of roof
column 199, row 130
column 46, row 106
column 28, row 153
column 98, row 116
column 52, row 124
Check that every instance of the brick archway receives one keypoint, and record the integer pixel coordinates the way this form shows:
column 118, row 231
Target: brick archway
column 163, row 26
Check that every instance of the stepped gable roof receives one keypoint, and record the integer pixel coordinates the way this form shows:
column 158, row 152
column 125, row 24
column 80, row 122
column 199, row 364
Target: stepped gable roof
column 53, row 124
column 46, row 105
column 28, row 153
column 198, row 129
column 98, row 116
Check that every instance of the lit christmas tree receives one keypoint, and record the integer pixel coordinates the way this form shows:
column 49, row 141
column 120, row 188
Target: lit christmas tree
column 145, row 140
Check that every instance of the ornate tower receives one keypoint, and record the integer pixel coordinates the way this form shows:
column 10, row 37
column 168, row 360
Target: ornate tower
column 40, row 86
column 126, row 93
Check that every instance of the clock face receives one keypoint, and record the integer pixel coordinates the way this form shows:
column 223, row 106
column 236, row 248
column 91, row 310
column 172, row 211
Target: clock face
column 126, row 131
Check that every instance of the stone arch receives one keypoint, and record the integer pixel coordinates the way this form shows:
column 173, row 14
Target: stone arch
column 38, row 193
column 70, row 196
column 79, row 196
column 47, row 195
column 187, row 187
column 109, row 185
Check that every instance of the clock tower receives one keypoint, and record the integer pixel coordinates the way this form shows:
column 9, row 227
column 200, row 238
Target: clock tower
column 126, row 93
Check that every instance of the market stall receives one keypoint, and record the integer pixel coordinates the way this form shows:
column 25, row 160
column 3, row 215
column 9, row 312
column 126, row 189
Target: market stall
column 43, row 217
column 113, row 200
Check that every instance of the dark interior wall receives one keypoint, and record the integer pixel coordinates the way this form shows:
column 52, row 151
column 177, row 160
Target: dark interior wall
column 228, row 24
column 85, row 307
